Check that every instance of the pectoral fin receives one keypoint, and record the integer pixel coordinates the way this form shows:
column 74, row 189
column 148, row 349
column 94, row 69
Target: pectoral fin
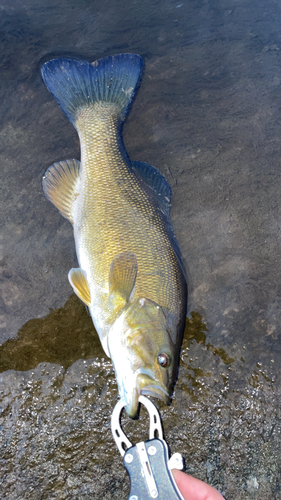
column 78, row 280
column 60, row 185
column 122, row 278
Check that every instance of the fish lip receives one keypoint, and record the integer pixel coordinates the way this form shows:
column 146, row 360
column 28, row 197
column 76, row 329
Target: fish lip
column 142, row 382
column 156, row 392
column 152, row 387
column 132, row 404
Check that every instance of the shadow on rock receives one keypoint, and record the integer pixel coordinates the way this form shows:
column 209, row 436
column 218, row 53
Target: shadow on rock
column 197, row 330
column 62, row 337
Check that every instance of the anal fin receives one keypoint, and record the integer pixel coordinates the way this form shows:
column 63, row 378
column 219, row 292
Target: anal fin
column 60, row 185
column 78, row 280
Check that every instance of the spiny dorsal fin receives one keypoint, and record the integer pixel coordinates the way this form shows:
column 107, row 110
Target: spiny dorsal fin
column 78, row 280
column 122, row 276
column 60, row 185
column 157, row 182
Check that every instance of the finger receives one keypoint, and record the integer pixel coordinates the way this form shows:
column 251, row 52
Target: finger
column 194, row 489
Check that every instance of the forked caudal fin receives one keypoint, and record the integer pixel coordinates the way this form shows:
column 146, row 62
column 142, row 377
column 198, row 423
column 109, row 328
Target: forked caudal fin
column 77, row 84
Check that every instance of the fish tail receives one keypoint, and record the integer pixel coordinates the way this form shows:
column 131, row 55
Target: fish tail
column 77, row 84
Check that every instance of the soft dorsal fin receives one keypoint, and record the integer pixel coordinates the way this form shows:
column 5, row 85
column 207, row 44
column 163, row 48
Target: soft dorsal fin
column 60, row 185
column 157, row 182
column 78, row 280
column 162, row 193
column 122, row 278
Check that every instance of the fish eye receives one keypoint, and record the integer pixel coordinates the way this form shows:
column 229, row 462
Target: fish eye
column 163, row 360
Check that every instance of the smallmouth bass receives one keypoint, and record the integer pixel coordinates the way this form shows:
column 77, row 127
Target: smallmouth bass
column 130, row 275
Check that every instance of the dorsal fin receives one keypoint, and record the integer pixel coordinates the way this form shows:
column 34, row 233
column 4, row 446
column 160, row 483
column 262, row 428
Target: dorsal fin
column 157, row 182
column 162, row 194
column 60, row 185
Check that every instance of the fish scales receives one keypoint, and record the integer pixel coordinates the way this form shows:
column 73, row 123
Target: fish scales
column 130, row 273
column 123, row 217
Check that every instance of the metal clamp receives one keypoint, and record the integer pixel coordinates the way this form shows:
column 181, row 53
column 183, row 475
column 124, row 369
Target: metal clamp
column 155, row 427
column 147, row 462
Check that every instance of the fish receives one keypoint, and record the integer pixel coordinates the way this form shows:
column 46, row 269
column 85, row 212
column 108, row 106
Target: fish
column 130, row 273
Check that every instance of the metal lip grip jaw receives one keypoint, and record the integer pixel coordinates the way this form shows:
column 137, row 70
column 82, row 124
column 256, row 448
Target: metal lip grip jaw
column 147, row 462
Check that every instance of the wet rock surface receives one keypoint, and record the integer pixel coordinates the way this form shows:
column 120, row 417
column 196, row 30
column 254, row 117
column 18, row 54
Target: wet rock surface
column 208, row 116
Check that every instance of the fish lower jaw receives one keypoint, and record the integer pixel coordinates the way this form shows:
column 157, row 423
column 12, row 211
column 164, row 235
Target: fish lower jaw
column 156, row 392
column 153, row 391
column 131, row 397
column 148, row 386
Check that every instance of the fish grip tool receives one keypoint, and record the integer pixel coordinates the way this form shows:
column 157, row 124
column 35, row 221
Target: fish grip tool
column 147, row 462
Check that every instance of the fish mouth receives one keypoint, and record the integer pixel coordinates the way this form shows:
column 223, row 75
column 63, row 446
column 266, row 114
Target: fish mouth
column 148, row 386
column 145, row 384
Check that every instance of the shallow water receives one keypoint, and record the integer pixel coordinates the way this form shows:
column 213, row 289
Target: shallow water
column 208, row 116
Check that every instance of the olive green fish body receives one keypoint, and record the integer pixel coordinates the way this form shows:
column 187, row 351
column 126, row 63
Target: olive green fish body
column 130, row 271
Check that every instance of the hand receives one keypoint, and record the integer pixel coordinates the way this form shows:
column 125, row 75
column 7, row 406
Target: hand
column 194, row 489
